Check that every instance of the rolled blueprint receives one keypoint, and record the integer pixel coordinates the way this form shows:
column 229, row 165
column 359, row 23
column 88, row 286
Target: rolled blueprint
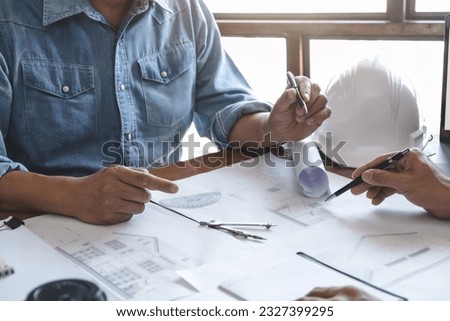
column 311, row 175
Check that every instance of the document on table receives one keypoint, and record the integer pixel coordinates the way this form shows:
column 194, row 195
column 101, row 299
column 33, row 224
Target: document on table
column 35, row 263
column 294, row 277
column 264, row 189
column 391, row 245
column 130, row 258
column 164, row 256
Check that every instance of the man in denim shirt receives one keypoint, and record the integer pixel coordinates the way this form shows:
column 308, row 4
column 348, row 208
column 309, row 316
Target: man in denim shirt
column 89, row 83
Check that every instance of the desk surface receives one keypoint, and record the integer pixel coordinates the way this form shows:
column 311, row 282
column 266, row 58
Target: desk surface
column 195, row 166
column 396, row 245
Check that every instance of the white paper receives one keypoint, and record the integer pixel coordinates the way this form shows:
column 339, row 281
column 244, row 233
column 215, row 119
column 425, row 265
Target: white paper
column 264, row 189
column 290, row 279
column 35, row 263
column 136, row 264
column 212, row 274
column 395, row 245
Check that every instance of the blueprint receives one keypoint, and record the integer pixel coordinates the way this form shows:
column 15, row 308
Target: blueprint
column 161, row 255
column 134, row 266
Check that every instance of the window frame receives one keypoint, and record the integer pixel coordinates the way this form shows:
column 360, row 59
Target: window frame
column 396, row 11
column 412, row 14
column 399, row 22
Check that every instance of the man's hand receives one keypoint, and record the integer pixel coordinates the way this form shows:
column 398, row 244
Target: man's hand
column 289, row 122
column 414, row 176
column 286, row 122
column 114, row 194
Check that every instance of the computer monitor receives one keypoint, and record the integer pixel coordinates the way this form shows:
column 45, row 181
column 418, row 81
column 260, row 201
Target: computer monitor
column 445, row 111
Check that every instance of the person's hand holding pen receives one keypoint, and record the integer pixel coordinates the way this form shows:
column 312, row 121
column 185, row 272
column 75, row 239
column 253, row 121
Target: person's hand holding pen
column 289, row 120
column 413, row 176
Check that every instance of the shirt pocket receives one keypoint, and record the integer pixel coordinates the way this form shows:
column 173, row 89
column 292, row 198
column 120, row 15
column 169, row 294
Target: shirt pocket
column 168, row 82
column 59, row 100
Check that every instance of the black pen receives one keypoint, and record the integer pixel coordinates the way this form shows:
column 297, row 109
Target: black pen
column 383, row 165
column 293, row 83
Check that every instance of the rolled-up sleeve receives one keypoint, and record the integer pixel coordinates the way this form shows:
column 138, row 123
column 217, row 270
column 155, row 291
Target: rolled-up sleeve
column 222, row 94
column 225, row 119
column 6, row 164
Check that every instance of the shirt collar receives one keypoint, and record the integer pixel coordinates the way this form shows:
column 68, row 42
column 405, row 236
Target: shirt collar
column 163, row 4
column 55, row 10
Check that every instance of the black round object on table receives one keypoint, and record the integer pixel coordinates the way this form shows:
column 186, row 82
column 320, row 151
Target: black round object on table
column 67, row 290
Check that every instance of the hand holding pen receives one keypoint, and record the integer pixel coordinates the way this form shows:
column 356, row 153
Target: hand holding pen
column 415, row 177
column 288, row 120
column 389, row 162
column 293, row 83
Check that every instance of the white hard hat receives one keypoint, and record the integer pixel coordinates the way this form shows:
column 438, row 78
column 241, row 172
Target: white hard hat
column 374, row 111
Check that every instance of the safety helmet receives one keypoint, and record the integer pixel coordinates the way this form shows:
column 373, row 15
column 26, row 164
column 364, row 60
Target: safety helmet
column 374, row 111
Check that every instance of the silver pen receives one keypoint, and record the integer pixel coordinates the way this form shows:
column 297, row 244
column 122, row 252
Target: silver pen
column 293, row 83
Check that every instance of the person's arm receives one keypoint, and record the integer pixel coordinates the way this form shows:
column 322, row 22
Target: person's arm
column 286, row 122
column 112, row 195
column 226, row 108
column 414, row 176
column 109, row 196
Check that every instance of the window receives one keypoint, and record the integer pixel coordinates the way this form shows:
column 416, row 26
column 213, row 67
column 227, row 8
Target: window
column 432, row 6
column 262, row 61
column 295, row 6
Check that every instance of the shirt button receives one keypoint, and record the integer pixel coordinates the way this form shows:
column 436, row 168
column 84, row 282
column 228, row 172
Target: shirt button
column 65, row 89
column 122, row 87
column 129, row 136
column 164, row 74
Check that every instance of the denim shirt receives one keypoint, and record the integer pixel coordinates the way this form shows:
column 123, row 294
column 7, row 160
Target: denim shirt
column 77, row 94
